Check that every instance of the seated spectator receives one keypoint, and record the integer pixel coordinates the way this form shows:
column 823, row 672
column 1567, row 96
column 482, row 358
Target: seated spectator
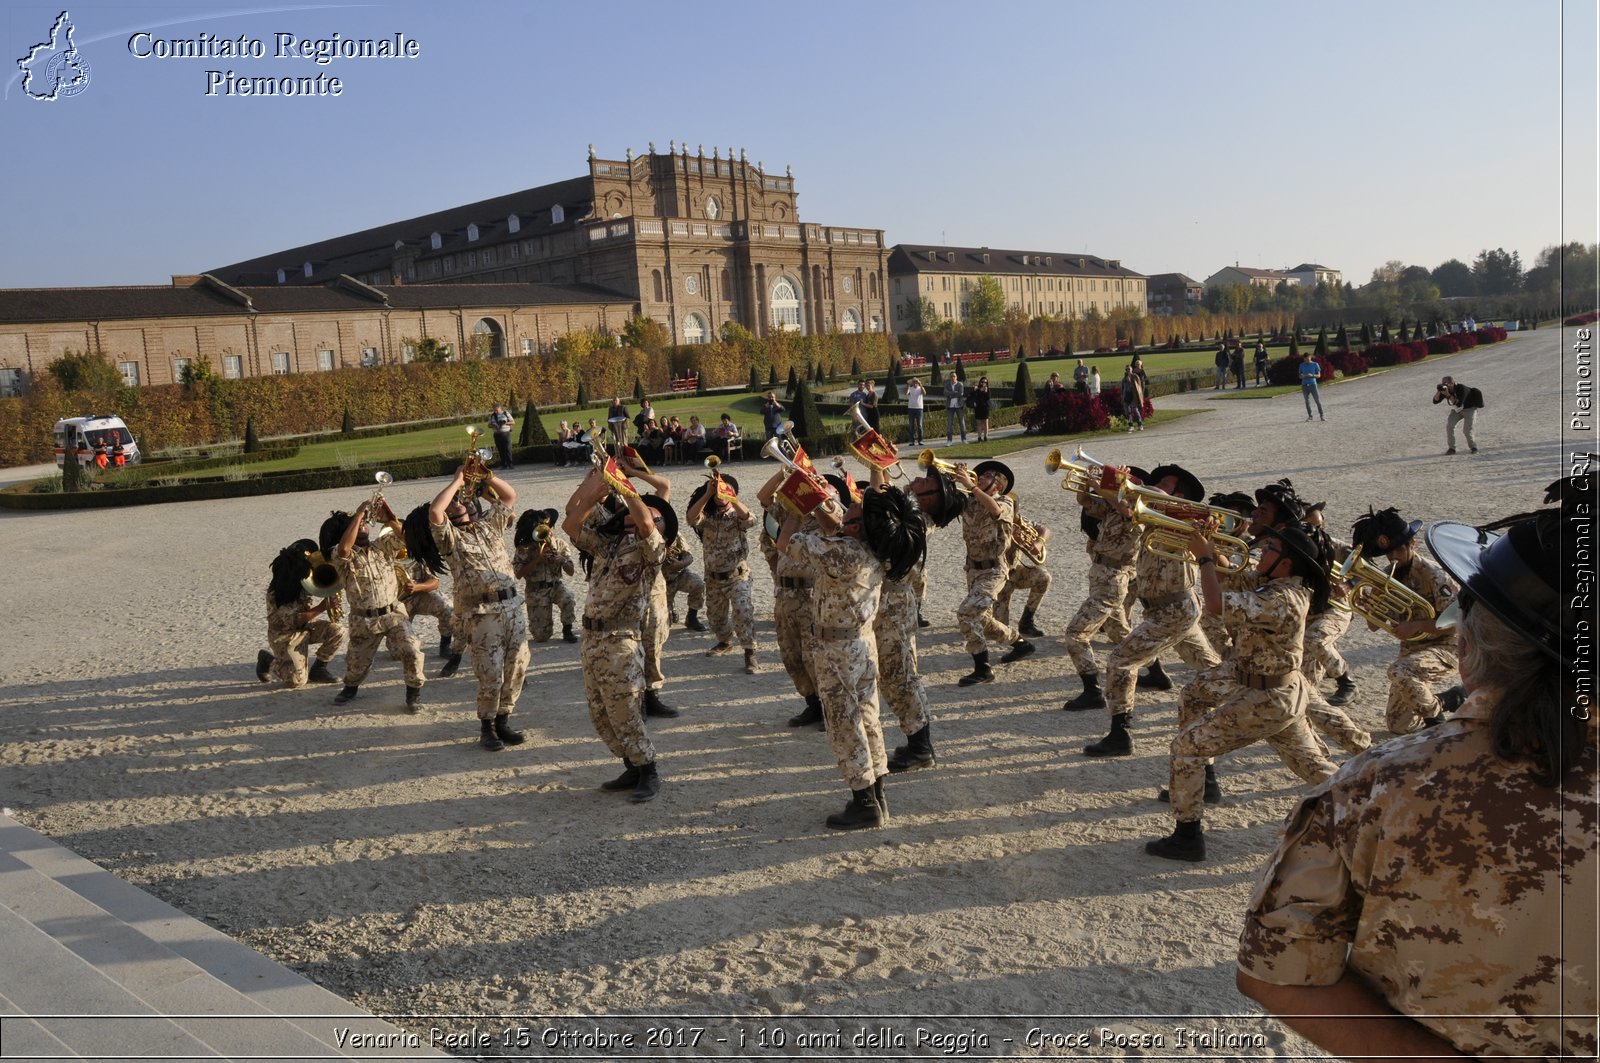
column 694, row 439
column 651, row 442
column 671, row 437
column 725, row 438
column 563, row 455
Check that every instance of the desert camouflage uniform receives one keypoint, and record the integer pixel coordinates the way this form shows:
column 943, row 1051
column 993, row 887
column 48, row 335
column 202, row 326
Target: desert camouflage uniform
column 1425, row 661
column 1116, row 552
column 1171, row 620
column 1324, row 629
column 1035, row 579
column 622, row 580
column 426, row 603
column 1457, row 887
column 726, row 546
column 899, row 680
column 987, row 538
column 1270, row 623
column 372, row 594
column 791, row 611
column 657, row 626
column 488, row 606
column 844, row 651
column 546, row 586
column 681, row 576
column 289, row 640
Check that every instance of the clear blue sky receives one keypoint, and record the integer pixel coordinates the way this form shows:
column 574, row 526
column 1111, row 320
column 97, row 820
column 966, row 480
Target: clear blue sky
column 1173, row 136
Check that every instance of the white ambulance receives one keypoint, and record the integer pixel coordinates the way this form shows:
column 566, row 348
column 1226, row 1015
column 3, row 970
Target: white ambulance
column 84, row 435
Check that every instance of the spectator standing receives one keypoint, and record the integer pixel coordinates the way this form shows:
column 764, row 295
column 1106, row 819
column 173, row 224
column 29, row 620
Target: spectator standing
column 1080, row 376
column 1310, row 373
column 772, row 414
column 1221, row 362
column 501, row 423
column 1094, row 382
column 1132, row 399
column 1464, row 403
column 860, row 393
column 1236, row 364
column 914, row 396
column 1261, row 362
column 980, row 401
column 869, row 405
column 1054, row 386
column 955, row 412
column 617, row 418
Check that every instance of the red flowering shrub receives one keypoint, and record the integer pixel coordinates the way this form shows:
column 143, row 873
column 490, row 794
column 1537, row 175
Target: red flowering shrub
column 1067, row 411
column 1286, row 371
column 1111, row 399
column 1491, row 334
column 1444, row 345
column 1582, row 319
column 1349, row 363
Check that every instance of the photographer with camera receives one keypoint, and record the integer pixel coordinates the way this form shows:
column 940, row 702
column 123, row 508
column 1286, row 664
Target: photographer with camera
column 1464, row 403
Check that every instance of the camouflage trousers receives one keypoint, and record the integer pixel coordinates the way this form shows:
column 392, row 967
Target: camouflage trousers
column 657, row 626
column 1171, row 626
column 1031, row 578
column 899, row 681
column 613, row 681
column 291, row 648
column 919, row 583
column 731, row 598
column 791, row 612
column 1209, row 688
column 1334, row 722
column 1216, row 633
column 1103, row 608
column 975, row 614
column 847, row 682
column 1411, row 679
column 429, row 603
column 1321, row 656
column 1242, row 717
column 687, row 582
column 392, row 630
column 498, row 641
column 541, row 601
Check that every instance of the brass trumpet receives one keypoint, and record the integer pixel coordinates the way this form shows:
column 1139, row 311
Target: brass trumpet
column 1083, row 473
column 475, row 469
column 1383, row 601
column 383, row 480
column 929, row 462
column 1171, row 525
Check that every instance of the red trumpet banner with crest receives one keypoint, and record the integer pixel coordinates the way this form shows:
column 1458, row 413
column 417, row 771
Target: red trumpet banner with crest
column 617, row 479
column 804, row 489
column 871, row 447
column 632, row 456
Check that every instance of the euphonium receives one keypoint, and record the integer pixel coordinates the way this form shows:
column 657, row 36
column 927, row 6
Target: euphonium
column 1172, row 524
column 1383, row 601
column 1029, row 539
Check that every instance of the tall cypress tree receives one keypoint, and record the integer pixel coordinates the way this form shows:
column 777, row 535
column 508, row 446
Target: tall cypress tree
column 1022, row 390
column 794, row 382
column 806, row 417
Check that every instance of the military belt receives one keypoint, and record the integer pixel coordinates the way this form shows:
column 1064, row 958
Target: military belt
column 504, row 594
column 1163, row 600
column 983, row 566
column 544, row 585
column 794, row 583
column 722, row 575
column 596, row 624
column 382, row 610
column 1265, row 682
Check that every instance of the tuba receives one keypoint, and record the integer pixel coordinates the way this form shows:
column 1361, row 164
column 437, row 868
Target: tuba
column 1383, row 601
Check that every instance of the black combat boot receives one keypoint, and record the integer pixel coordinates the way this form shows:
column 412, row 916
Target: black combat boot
column 860, row 813
column 1091, row 698
column 654, row 706
column 264, row 661
column 1345, row 691
column 883, row 802
column 916, row 753
column 444, row 645
column 626, row 781
column 811, row 715
column 749, row 662
column 1452, row 699
column 345, row 696
column 1213, row 791
column 981, row 672
column 1187, row 842
column 1028, row 627
column 414, row 700
column 1155, row 678
column 487, row 738
column 451, row 665
column 921, row 622
column 503, row 731
column 648, row 784
column 1019, row 649
column 567, row 634
column 691, row 622
column 1116, row 744
column 320, row 674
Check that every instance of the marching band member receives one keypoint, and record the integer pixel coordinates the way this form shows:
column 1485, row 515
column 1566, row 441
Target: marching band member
column 1114, row 551
column 419, row 590
column 657, row 616
column 1427, row 652
column 541, row 562
column 791, row 607
column 470, row 538
column 295, row 622
column 370, row 583
column 1171, row 620
column 986, row 524
column 722, row 521
column 895, row 625
column 1023, row 573
column 681, row 578
column 1267, row 696
column 1324, row 629
column 625, row 554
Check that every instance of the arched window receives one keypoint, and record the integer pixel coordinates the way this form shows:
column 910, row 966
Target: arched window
column 489, row 339
column 694, row 329
column 557, row 215
column 307, row 269
column 513, row 223
column 872, row 285
column 282, row 276
column 877, row 323
column 850, row 322
column 655, row 284
column 434, row 241
column 785, row 305
column 472, row 231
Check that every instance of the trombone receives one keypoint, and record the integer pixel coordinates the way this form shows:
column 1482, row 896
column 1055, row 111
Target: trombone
column 1385, row 602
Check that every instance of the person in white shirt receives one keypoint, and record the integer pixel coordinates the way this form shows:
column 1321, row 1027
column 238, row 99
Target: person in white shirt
column 914, row 394
column 1094, row 382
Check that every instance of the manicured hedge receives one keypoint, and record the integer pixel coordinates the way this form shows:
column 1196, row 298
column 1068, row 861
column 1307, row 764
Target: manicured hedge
column 1286, row 371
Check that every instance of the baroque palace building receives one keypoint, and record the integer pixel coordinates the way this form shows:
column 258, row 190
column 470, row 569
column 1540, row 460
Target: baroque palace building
column 153, row 332
column 696, row 241
column 1038, row 283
